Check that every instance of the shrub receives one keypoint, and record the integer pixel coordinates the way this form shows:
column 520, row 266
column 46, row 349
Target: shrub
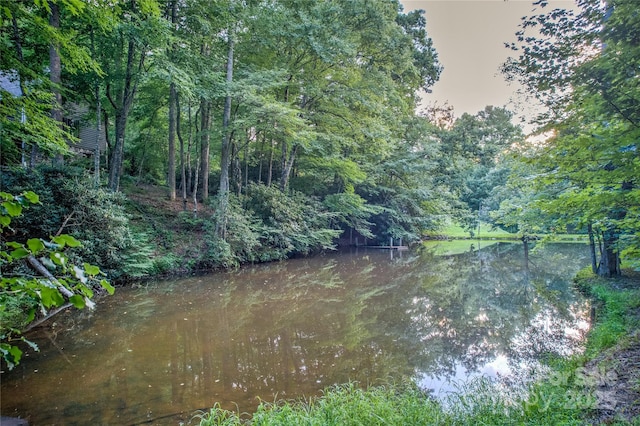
column 292, row 223
column 71, row 203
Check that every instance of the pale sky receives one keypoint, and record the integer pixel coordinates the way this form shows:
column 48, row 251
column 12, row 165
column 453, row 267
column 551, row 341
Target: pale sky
column 469, row 36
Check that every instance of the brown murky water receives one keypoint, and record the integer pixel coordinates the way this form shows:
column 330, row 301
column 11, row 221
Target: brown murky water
column 156, row 354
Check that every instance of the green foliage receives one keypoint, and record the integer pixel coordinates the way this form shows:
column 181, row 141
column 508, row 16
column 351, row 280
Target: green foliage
column 346, row 404
column 352, row 211
column 137, row 257
column 72, row 203
column 292, row 223
column 265, row 225
column 25, row 113
column 580, row 68
column 64, row 281
column 478, row 402
column 166, row 264
column 614, row 311
column 241, row 242
column 39, row 130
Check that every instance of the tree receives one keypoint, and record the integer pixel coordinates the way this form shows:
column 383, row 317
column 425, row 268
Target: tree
column 584, row 70
column 173, row 113
column 73, row 284
column 129, row 45
column 225, row 150
column 31, row 113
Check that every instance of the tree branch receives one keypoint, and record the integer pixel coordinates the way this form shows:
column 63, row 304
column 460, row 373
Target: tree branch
column 39, row 267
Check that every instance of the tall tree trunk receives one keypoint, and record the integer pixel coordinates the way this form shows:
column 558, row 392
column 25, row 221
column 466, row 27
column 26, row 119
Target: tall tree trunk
column 107, row 138
column 173, row 100
column 171, row 172
column 237, row 169
column 205, row 141
column 609, row 257
column 225, row 151
column 261, row 158
column 189, row 143
column 525, row 243
column 609, row 251
column 96, row 93
column 122, row 105
column 183, row 173
column 195, row 189
column 287, row 165
column 289, row 160
column 592, row 249
column 246, row 164
column 55, row 72
column 270, row 175
column 117, row 154
column 96, row 151
column 225, row 154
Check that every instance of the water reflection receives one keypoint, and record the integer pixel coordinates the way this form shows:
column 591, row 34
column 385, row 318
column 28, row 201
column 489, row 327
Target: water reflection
column 288, row 329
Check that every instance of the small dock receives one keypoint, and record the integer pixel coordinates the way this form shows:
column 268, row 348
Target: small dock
column 387, row 247
column 391, row 246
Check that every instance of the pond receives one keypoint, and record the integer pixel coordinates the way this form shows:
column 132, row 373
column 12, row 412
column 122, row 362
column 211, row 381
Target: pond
column 159, row 352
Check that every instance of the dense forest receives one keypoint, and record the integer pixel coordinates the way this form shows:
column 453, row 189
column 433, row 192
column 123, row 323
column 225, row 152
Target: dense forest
column 286, row 127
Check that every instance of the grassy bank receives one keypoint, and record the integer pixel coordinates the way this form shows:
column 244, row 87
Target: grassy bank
column 601, row 386
column 487, row 232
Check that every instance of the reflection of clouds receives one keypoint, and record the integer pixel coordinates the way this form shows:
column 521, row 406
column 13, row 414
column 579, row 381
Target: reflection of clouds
column 497, row 367
column 442, row 385
column 548, row 332
column 483, row 315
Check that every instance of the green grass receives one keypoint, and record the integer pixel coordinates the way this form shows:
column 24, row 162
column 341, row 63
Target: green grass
column 486, row 232
column 617, row 302
column 456, row 231
column 346, row 405
column 479, row 402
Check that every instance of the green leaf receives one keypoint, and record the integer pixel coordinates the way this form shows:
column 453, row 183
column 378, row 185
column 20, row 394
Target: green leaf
column 85, row 291
column 77, row 301
column 13, row 209
column 5, row 221
column 51, row 297
column 31, row 315
column 107, row 286
column 11, row 354
column 58, row 258
column 35, row 245
column 66, row 240
column 32, row 197
column 91, row 269
column 20, row 253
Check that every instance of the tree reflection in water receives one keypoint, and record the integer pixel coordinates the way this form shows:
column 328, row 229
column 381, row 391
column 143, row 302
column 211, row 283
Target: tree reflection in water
column 289, row 329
